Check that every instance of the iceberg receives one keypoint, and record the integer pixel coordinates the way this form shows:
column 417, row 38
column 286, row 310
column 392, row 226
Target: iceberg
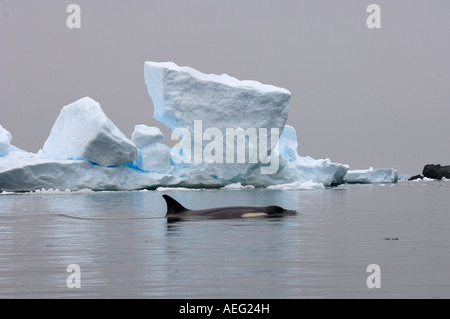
column 217, row 108
column 371, row 176
column 85, row 150
column 83, row 131
column 182, row 95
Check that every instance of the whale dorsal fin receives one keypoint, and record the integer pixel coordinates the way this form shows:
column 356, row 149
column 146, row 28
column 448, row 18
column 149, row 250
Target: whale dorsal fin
column 173, row 207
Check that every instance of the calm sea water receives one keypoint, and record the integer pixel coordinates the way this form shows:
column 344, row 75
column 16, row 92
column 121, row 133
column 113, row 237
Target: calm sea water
column 126, row 248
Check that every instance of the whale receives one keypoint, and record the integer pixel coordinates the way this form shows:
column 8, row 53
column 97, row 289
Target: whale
column 177, row 211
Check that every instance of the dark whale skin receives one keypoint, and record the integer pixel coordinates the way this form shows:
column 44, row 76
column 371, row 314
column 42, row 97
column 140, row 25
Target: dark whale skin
column 177, row 211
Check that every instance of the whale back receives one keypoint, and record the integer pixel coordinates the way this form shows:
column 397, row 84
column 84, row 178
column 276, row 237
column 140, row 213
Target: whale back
column 177, row 211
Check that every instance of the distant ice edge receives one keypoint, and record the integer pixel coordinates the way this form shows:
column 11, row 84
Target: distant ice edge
column 102, row 158
column 371, row 176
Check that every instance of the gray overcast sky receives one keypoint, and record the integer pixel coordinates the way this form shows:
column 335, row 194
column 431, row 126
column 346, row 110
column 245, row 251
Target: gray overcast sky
column 360, row 96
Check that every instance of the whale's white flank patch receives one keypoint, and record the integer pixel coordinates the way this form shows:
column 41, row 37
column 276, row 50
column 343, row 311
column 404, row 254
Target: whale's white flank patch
column 250, row 215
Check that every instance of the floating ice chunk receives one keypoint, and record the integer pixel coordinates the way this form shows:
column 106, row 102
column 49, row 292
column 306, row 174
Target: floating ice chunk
column 238, row 186
column 424, row 179
column 179, row 189
column 144, row 135
column 56, row 191
column 309, row 185
column 82, row 130
column 371, row 176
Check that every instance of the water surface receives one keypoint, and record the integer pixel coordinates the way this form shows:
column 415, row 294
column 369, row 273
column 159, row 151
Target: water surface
column 127, row 249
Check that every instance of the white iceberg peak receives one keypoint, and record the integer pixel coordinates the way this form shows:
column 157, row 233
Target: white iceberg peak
column 82, row 130
column 224, row 79
column 144, row 135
